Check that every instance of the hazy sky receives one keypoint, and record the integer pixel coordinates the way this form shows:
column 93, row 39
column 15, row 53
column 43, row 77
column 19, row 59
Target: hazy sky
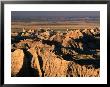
column 54, row 13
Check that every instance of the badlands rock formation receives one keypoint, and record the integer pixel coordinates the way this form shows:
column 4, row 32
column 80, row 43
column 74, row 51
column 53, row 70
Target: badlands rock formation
column 71, row 54
column 17, row 59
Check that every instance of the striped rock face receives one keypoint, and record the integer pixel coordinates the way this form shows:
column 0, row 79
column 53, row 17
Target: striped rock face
column 17, row 58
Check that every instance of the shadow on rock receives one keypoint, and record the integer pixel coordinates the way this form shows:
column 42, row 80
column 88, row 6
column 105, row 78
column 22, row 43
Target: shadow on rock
column 27, row 70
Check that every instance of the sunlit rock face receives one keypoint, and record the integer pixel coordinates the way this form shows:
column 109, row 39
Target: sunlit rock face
column 17, row 58
column 74, row 34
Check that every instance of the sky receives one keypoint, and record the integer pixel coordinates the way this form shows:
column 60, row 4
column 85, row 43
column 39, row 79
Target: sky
column 54, row 13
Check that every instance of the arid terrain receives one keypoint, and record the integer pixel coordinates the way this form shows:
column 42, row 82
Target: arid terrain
column 55, row 49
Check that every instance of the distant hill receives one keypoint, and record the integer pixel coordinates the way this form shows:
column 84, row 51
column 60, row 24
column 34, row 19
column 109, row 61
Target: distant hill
column 55, row 18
